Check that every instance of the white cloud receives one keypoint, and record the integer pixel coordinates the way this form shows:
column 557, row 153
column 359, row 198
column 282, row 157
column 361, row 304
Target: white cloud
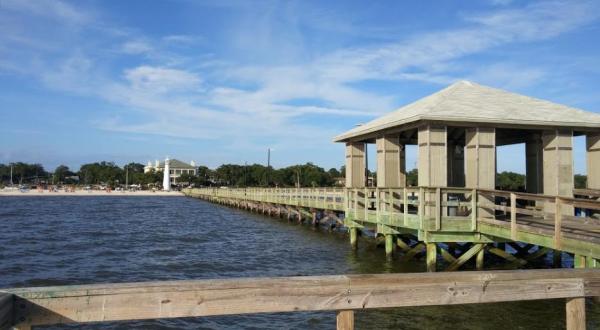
column 136, row 47
column 53, row 9
column 244, row 101
column 160, row 79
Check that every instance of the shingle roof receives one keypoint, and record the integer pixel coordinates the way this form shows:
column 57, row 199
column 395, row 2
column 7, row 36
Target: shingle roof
column 465, row 101
column 175, row 163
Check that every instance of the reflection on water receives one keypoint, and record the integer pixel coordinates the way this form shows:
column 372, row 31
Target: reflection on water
column 81, row 240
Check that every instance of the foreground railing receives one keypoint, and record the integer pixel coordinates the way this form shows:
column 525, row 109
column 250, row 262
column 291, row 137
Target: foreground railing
column 26, row 307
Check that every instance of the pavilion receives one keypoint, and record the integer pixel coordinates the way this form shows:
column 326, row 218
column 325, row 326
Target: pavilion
column 457, row 131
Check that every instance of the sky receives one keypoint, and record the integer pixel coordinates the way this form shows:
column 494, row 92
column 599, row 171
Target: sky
column 222, row 81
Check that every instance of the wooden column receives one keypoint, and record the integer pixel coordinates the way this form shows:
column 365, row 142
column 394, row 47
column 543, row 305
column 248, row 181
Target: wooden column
column 433, row 162
column 355, row 178
column 389, row 245
column 480, row 164
column 534, row 168
column 354, row 237
column 479, row 259
column 345, row 320
column 391, row 162
column 576, row 314
column 558, row 167
column 431, row 257
column 593, row 160
column 355, row 165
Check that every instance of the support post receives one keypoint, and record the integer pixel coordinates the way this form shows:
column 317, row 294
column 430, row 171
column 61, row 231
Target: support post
column 479, row 259
column 354, row 238
column 558, row 167
column 593, row 160
column 575, row 309
column 431, row 257
column 355, row 165
column 389, row 245
column 433, row 158
column 480, row 164
column 345, row 320
column 391, row 162
column 579, row 261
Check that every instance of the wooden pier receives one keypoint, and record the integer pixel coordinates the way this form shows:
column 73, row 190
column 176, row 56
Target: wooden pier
column 448, row 225
column 26, row 307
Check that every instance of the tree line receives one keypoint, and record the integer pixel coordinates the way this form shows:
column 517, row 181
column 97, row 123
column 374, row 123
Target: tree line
column 231, row 175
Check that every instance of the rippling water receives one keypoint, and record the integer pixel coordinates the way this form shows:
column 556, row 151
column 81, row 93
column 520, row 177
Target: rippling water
column 82, row 240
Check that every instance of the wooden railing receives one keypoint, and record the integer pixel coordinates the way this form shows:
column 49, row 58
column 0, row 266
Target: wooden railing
column 26, row 307
column 504, row 214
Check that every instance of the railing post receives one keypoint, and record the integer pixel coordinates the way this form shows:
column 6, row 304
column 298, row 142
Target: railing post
column 557, row 224
column 366, row 192
column 575, row 309
column 405, row 207
column 421, row 207
column 474, row 209
column 377, row 206
column 345, row 320
column 513, row 216
column 438, row 209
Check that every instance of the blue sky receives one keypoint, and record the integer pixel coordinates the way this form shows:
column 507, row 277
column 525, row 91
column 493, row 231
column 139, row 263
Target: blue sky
column 221, row 81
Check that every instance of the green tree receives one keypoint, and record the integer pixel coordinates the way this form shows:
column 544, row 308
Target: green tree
column 412, row 178
column 510, row 181
column 61, row 173
column 580, row 181
column 102, row 172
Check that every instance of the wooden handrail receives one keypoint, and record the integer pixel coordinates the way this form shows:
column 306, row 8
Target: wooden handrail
column 171, row 299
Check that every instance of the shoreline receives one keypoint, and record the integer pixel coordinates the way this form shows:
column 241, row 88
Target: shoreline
column 91, row 193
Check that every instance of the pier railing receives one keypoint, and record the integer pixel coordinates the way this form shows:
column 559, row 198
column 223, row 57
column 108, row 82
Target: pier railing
column 26, row 307
column 549, row 221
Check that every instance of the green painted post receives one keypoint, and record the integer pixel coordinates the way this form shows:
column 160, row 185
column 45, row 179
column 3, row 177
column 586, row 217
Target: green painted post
column 579, row 261
column 389, row 245
column 431, row 257
column 354, row 237
column 479, row 259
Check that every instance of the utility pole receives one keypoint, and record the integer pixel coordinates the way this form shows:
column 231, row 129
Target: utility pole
column 268, row 164
column 11, row 174
column 126, row 177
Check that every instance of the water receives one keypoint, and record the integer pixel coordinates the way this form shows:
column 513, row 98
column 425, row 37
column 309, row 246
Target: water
column 83, row 240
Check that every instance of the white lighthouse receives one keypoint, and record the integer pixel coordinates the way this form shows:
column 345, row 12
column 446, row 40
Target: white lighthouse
column 167, row 176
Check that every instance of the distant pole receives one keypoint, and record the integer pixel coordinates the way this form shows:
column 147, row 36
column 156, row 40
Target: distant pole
column 11, row 174
column 126, row 177
column 245, row 174
column 268, row 164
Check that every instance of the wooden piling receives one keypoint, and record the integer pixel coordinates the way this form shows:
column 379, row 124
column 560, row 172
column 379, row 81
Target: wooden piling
column 354, row 237
column 389, row 245
column 479, row 259
column 431, row 257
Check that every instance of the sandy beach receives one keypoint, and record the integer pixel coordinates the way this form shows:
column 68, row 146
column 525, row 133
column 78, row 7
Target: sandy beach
column 89, row 193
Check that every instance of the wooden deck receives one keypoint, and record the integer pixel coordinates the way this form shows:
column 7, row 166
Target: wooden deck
column 441, row 215
column 26, row 307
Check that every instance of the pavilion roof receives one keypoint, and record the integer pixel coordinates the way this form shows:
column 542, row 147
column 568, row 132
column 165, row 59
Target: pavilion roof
column 176, row 163
column 468, row 102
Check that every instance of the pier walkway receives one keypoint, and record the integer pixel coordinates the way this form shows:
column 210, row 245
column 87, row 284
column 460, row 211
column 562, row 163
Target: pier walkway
column 456, row 224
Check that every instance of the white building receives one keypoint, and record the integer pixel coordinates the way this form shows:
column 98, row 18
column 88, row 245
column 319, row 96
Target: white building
column 176, row 168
